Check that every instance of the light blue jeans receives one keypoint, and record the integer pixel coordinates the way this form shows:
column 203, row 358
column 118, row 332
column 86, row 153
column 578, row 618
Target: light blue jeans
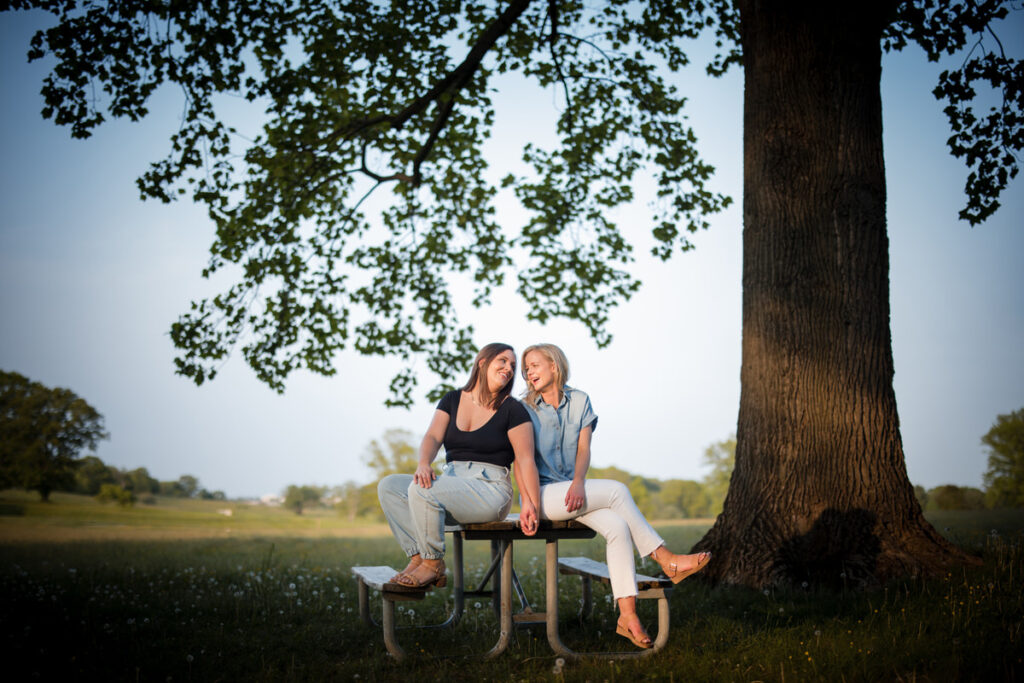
column 466, row 492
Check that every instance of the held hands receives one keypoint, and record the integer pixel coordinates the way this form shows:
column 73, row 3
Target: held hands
column 575, row 497
column 424, row 476
column 528, row 518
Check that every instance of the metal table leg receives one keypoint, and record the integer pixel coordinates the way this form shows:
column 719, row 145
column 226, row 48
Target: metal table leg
column 505, row 619
column 551, row 590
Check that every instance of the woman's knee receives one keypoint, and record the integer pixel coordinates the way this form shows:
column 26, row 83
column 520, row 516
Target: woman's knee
column 618, row 491
column 392, row 484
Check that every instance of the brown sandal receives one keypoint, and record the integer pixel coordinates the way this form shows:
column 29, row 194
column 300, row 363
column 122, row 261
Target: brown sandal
column 409, row 582
column 408, row 568
column 673, row 572
column 643, row 642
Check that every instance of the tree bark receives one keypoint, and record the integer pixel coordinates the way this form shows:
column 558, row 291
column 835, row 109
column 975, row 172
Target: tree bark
column 820, row 492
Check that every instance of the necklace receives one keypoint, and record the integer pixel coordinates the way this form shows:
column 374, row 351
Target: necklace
column 472, row 397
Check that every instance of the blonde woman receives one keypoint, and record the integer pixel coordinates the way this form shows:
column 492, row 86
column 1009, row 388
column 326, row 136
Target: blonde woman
column 563, row 426
column 484, row 431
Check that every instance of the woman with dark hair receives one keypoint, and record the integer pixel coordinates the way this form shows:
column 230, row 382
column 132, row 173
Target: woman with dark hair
column 564, row 423
column 484, row 431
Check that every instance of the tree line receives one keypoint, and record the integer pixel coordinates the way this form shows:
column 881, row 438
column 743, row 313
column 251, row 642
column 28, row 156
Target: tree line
column 395, row 452
column 43, row 434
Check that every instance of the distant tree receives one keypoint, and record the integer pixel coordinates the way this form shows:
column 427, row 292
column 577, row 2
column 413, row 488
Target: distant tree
column 43, row 432
column 91, row 474
column 299, row 498
column 644, row 492
column 113, row 493
column 1004, row 478
column 721, row 457
column 687, row 498
column 922, row 496
column 171, row 489
column 188, row 485
column 369, row 504
column 611, row 473
column 211, row 495
column 346, row 499
column 951, row 497
column 139, row 482
column 394, row 453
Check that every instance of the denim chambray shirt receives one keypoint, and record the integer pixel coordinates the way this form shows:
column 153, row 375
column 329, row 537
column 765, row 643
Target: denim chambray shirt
column 557, row 433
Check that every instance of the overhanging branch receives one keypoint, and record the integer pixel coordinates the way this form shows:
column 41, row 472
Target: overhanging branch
column 443, row 92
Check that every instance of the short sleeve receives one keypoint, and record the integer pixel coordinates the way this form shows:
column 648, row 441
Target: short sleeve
column 448, row 404
column 589, row 418
column 517, row 414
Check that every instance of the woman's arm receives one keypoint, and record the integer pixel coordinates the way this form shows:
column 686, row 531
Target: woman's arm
column 429, row 447
column 575, row 497
column 525, row 470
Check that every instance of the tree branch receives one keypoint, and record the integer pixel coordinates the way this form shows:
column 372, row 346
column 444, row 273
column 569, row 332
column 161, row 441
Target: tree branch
column 448, row 86
column 552, row 39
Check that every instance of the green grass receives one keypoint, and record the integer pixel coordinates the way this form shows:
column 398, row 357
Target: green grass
column 276, row 601
column 69, row 517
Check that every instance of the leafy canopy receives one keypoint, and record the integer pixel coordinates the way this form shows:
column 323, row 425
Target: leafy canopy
column 365, row 96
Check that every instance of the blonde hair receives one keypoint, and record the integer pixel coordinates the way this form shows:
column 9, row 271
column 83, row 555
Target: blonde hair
column 557, row 358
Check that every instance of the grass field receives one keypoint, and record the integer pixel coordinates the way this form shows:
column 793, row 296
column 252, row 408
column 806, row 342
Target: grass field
column 180, row 591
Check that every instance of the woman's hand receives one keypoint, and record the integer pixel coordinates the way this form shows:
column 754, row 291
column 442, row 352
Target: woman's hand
column 424, row 476
column 576, row 496
column 431, row 443
column 528, row 518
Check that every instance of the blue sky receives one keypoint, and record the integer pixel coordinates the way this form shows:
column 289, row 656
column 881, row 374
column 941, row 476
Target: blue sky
column 91, row 279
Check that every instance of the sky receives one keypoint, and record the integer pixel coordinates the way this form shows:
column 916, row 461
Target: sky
column 91, row 278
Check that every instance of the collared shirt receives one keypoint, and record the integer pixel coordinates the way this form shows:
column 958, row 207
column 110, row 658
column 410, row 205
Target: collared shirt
column 556, row 433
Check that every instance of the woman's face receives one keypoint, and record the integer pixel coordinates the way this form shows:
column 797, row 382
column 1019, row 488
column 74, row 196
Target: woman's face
column 500, row 371
column 540, row 372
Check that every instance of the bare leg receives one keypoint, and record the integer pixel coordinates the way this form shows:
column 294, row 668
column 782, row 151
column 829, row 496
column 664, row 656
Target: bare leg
column 629, row 624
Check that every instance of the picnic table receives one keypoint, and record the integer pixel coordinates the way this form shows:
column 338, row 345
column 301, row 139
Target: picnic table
column 503, row 535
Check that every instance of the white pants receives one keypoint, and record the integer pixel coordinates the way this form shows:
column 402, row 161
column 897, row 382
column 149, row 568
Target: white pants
column 609, row 509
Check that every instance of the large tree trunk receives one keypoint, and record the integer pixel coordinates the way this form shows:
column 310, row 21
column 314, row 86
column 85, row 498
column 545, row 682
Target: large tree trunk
column 820, row 490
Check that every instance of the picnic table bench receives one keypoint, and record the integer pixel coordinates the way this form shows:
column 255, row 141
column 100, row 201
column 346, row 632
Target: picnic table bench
column 503, row 534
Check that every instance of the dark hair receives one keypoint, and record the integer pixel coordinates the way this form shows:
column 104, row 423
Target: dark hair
column 487, row 354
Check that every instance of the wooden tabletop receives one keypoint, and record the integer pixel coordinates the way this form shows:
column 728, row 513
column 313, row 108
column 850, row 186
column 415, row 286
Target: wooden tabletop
column 508, row 528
